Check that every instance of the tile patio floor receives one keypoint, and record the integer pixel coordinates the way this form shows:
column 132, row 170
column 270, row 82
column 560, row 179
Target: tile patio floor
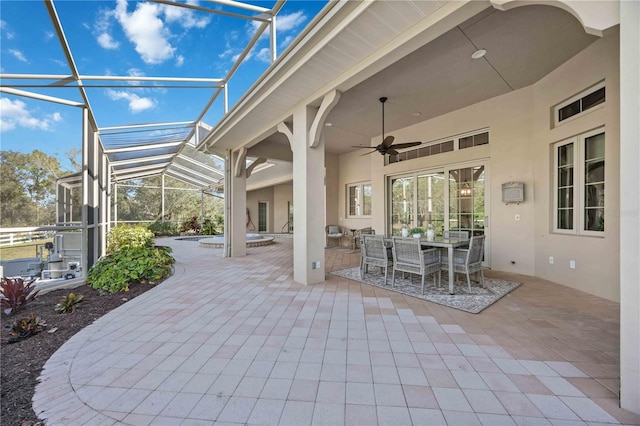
column 236, row 341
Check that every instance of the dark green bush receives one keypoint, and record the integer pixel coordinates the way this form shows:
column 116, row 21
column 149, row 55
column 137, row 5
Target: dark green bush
column 163, row 228
column 128, row 236
column 129, row 265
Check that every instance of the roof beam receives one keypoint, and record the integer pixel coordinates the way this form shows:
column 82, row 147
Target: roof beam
column 40, row 97
column 141, row 147
column 141, row 160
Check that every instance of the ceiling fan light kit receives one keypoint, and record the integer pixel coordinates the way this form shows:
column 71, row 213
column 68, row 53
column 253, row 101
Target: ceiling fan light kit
column 387, row 146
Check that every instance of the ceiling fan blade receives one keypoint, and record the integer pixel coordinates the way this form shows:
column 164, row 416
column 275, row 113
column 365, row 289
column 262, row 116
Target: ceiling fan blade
column 367, row 153
column 391, row 151
column 406, row 145
column 363, row 147
column 388, row 141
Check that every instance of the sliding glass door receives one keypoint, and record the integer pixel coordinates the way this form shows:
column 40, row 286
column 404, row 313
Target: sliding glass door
column 451, row 198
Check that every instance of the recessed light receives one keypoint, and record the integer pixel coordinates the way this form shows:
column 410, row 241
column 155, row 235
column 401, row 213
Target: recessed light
column 479, row 53
column 416, row 114
column 328, row 124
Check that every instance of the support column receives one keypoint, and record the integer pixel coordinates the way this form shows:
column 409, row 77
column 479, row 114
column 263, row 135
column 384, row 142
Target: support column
column 238, row 204
column 629, row 206
column 308, row 199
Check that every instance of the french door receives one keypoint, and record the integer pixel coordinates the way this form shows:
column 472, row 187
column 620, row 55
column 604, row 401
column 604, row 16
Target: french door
column 448, row 198
column 262, row 216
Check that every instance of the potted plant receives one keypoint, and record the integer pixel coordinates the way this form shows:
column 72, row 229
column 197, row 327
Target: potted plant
column 416, row 232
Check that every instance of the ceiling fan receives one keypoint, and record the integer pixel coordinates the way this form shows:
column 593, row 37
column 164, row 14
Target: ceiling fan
column 387, row 146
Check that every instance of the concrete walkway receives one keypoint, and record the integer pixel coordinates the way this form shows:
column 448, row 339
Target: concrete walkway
column 236, row 341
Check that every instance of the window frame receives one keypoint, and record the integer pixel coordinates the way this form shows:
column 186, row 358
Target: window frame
column 359, row 199
column 557, row 122
column 579, row 184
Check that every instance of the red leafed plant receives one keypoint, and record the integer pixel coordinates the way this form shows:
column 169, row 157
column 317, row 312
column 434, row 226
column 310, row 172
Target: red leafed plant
column 16, row 293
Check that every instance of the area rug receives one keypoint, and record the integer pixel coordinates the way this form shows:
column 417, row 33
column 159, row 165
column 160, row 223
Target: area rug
column 474, row 302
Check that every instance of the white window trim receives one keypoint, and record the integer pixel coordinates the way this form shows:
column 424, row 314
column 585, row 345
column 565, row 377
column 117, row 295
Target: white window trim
column 578, row 184
column 359, row 202
column 574, row 98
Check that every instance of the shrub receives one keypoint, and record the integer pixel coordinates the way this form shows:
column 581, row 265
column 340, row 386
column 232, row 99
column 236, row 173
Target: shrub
column 16, row 294
column 163, row 228
column 69, row 303
column 191, row 225
column 26, row 327
column 130, row 265
column 128, row 236
column 416, row 231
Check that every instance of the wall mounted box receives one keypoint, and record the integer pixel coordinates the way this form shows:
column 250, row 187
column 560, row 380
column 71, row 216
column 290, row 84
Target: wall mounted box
column 513, row 192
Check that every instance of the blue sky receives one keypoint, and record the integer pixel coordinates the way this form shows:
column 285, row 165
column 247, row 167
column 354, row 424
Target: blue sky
column 126, row 38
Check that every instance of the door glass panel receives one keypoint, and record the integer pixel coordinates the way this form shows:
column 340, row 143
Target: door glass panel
column 402, row 200
column 262, row 217
column 430, row 201
column 466, row 200
column 594, row 183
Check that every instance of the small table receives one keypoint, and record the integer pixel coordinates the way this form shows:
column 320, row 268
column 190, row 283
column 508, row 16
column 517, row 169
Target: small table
column 450, row 244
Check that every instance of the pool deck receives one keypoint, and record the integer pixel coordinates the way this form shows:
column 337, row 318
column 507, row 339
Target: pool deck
column 237, row 341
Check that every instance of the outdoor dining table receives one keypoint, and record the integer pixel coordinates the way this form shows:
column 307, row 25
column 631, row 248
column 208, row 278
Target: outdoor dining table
column 441, row 242
column 449, row 244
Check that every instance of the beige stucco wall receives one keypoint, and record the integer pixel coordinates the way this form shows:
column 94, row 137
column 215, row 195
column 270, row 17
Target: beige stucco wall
column 353, row 169
column 253, row 197
column 282, row 195
column 597, row 259
column 520, row 150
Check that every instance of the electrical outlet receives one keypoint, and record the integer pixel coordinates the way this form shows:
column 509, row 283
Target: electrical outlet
column 551, row 260
column 315, row 265
column 572, row 264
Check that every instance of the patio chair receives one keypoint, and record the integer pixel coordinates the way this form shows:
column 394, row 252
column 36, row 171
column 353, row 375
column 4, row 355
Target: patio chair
column 408, row 256
column 375, row 253
column 468, row 261
column 463, row 235
column 334, row 233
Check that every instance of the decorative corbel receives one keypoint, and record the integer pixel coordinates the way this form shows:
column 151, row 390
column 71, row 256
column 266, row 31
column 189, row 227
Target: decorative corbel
column 253, row 165
column 287, row 131
column 240, row 162
column 328, row 102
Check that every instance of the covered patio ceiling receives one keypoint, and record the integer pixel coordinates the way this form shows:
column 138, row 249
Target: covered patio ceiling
column 425, row 71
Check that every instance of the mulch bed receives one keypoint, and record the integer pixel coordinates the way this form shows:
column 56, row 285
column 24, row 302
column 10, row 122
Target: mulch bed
column 22, row 362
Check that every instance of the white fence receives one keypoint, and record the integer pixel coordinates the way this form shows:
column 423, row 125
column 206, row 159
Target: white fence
column 19, row 237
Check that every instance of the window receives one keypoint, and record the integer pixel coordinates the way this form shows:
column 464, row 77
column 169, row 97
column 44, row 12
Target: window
column 580, row 103
column 359, row 200
column 579, row 184
column 468, row 140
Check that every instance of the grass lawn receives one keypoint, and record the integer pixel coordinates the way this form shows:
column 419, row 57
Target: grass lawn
column 18, row 251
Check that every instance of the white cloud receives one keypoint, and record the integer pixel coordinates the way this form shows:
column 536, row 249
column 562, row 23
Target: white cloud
column 8, row 34
column 59, row 62
column 290, row 22
column 136, row 103
column 15, row 114
column 179, row 60
column 48, row 35
column 284, row 23
column 107, row 42
column 186, row 18
column 18, row 54
column 264, row 55
column 146, row 31
column 286, row 42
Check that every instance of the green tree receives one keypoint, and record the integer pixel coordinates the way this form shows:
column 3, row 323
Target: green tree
column 35, row 173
